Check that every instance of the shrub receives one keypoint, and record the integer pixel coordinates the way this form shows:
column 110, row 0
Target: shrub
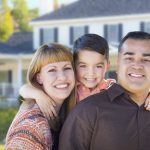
column 6, row 117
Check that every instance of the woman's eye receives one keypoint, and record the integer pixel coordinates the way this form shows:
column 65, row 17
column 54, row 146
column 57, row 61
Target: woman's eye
column 51, row 70
column 67, row 68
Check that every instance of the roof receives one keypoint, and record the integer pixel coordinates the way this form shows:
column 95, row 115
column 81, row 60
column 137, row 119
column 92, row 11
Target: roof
column 22, row 42
column 4, row 48
column 97, row 8
column 18, row 43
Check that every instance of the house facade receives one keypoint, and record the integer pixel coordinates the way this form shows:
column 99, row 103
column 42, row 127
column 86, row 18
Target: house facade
column 15, row 56
column 111, row 19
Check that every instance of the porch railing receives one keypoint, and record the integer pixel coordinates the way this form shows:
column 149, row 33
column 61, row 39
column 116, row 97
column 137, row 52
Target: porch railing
column 8, row 95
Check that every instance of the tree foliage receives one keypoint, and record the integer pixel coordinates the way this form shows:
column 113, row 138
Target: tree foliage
column 21, row 15
column 6, row 22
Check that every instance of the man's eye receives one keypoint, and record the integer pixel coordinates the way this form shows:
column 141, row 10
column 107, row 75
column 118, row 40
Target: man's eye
column 128, row 58
column 146, row 60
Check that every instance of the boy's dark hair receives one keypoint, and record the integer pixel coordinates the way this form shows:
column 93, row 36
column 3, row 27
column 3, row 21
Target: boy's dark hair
column 91, row 42
column 137, row 35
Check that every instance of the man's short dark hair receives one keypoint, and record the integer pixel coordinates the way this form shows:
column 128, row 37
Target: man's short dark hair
column 137, row 35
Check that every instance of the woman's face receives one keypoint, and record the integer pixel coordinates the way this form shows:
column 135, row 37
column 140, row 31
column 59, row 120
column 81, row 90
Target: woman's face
column 57, row 80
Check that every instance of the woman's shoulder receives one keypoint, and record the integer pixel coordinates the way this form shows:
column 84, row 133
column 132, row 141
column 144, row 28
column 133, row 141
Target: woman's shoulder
column 30, row 125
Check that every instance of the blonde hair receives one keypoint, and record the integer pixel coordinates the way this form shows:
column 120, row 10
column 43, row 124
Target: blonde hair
column 51, row 53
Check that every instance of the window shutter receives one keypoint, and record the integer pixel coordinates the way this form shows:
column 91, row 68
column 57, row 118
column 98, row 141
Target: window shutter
column 86, row 29
column 55, row 34
column 142, row 26
column 105, row 32
column 119, row 32
column 41, row 36
column 71, row 35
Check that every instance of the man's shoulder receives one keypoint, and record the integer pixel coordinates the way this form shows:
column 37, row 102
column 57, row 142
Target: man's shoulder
column 103, row 97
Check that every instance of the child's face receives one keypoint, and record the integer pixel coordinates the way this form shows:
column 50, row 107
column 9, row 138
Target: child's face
column 90, row 68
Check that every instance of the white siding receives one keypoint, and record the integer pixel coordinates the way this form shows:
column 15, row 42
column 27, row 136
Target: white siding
column 96, row 28
column 130, row 26
column 63, row 35
column 36, row 38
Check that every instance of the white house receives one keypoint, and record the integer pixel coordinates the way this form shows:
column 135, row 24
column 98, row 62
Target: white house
column 15, row 56
column 111, row 19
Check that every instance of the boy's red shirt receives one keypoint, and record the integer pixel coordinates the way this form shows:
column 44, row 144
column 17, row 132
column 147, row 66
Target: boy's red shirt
column 83, row 92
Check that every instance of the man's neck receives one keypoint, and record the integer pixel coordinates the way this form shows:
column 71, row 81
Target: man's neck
column 139, row 98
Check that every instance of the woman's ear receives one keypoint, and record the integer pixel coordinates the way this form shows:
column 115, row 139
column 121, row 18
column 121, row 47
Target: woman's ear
column 38, row 78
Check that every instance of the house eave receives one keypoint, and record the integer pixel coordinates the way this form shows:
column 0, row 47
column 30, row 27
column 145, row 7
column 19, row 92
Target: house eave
column 15, row 56
column 120, row 18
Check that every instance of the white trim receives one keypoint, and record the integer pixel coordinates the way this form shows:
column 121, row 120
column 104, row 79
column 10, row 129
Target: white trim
column 19, row 72
column 14, row 57
column 121, row 18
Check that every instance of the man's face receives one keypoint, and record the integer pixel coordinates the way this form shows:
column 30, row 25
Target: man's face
column 134, row 65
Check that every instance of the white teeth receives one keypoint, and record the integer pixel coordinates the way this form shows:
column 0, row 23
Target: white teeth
column 90, row 79
column 61, row 86
column 136, row 75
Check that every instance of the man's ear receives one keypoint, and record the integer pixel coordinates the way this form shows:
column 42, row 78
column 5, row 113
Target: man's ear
column 38, row 78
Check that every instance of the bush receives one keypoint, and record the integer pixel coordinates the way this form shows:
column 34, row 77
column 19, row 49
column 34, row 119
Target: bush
column 1, row 147
column 6, row 117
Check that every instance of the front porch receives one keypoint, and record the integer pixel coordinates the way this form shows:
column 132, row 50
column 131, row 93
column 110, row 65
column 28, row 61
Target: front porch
column 13, row 70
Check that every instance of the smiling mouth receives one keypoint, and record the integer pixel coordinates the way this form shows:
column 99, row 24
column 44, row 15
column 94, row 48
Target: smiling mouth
column 90, row 79
column 62, row 86
column 136, row 75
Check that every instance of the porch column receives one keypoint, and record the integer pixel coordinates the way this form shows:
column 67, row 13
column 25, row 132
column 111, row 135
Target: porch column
column 19, row 74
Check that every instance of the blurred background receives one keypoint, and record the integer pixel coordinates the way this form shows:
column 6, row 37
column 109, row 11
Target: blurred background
column 26, row 24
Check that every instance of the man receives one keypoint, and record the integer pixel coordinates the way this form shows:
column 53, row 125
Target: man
column 115, row 119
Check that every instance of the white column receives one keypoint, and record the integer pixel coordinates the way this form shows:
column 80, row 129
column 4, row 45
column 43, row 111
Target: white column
column 19, row 70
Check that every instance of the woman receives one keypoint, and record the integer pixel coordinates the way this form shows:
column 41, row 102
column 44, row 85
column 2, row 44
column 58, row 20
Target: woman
column 51, row 70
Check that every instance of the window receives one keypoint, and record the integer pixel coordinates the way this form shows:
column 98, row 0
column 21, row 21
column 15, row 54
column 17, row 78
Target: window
column 4, row 76
column 76, row 32
column 145, row 26
column 24, row 74
column 113, row 33
column 48, row 35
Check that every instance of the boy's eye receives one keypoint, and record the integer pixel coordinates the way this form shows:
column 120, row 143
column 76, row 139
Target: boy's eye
column 82, row 66
column 99, row 66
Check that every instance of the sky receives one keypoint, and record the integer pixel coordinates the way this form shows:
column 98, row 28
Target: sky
column 34, row 3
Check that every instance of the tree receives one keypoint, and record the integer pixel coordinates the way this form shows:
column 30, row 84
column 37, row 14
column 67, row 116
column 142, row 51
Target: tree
column 6, row 22
column 21, row 14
